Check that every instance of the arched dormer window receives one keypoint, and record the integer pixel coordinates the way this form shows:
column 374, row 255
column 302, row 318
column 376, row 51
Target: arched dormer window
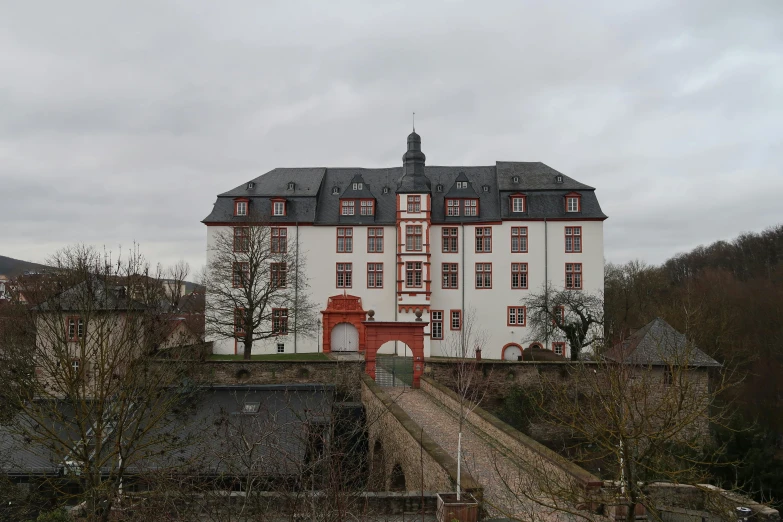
column 279, row 207
column 291, row 185
column 573, row 202
column 335, row 190
column 518, row 203
column 241, row 206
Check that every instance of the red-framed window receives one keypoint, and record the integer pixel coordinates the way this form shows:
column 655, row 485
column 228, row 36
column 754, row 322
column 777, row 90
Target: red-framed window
column 519, row 239
column 374, row 240
column 483, row 240
column 573, row 276
column 455, row 320
column 280, row 321
column 374, row 275
column 436, row 324
column 347, row 207
column 413, row 242
column 450, row 275
column 344, row 240
column 240, row 207
column 559, row 312
column 414, row 204
column 413, row 274
column 518, row 203
column 470, row 207
column 573, row 202
column 573, row 239
column 516, row 316
column 278, row 207
column 241, row 239
column 450, row 236
column 279, row 243
column 75, row 328
column 278, row 276
column 483, row 276
column 559, row 348
column 367, row 207
column 518, row 276
column 344, row 275
column 241, row 274
column 239, row 322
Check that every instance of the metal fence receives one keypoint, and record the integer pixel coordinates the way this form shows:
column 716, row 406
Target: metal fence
column 393, row 370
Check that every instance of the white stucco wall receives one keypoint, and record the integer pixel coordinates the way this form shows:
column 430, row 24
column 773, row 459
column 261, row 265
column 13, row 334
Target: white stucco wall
column 318, row 246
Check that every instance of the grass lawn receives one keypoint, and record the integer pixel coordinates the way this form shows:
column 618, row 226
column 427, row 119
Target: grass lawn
column 274, row 357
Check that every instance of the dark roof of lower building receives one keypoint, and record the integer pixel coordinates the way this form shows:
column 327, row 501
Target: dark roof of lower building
column 658, row 344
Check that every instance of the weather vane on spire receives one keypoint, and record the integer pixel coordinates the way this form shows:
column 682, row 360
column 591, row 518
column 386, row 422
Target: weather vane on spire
column 414, row 122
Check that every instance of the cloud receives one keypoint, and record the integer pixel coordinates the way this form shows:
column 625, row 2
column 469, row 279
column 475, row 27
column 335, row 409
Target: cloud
column 122, row 121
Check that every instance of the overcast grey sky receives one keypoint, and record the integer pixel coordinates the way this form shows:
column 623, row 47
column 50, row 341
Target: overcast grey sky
column 122, row 121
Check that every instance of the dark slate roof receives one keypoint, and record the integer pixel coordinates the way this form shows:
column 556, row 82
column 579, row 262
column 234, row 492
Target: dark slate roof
column 93, row 294
column 313, row 201
column 533, row 175
column 211, row 431
column 658, row 344
column 375, row 180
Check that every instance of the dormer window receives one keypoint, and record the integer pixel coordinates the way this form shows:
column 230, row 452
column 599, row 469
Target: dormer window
column 559, row 178
column 240, row 207
column 466, row 207
column 573, row 202
column 486, row 188
column 367, row 207
column 439, row 188
column 250, row 185
column 515, row 179
column 347, row 207
column 385, row 190
column 278, row 207
column 462, row 184
column 335, row 190
column 291, row 185
column 357, row 186
column 518, row 203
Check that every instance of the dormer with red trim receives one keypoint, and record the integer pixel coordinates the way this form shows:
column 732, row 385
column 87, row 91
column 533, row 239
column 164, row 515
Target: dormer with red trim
column 241, row 206
column 517, row 203
column 573, row 202
column 279, row 207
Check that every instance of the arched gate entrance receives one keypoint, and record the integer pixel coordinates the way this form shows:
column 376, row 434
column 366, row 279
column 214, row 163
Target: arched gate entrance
column 410, row 333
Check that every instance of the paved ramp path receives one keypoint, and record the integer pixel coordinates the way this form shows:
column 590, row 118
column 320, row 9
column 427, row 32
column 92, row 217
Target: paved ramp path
column 479, row 458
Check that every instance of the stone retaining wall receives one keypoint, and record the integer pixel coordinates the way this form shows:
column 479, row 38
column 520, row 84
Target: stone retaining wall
column 401, row 442
column 345, row 375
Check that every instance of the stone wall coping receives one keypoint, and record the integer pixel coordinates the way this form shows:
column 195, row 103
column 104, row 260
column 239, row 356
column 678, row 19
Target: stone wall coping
column 432, row 448
column 292, row 362
column 584, row 477
column 452, row 360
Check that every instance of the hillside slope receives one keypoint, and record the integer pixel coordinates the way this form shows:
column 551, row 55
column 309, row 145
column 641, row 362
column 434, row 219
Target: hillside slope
column 13, row 267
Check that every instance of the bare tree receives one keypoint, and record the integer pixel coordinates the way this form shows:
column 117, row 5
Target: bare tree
column 631, row 421
column 256, row 286
column 176, row 277
column 468, row 381
column 81, row 373
column 567, row 315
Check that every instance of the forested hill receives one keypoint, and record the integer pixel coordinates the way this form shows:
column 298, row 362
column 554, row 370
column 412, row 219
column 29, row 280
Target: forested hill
column 13, row 267
column 728, row 299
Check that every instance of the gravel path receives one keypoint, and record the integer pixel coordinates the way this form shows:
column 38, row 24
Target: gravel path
column 484, row 463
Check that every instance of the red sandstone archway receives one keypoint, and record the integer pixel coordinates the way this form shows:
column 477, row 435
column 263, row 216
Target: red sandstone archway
column 412, row 334
column 343, row 309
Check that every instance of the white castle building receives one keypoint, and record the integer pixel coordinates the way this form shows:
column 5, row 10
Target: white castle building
column 445, row 241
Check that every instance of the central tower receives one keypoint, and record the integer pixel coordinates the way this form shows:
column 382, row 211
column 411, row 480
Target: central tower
column 414, row 220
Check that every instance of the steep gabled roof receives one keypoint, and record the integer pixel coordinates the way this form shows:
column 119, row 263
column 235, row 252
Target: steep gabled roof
column 658, row 344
